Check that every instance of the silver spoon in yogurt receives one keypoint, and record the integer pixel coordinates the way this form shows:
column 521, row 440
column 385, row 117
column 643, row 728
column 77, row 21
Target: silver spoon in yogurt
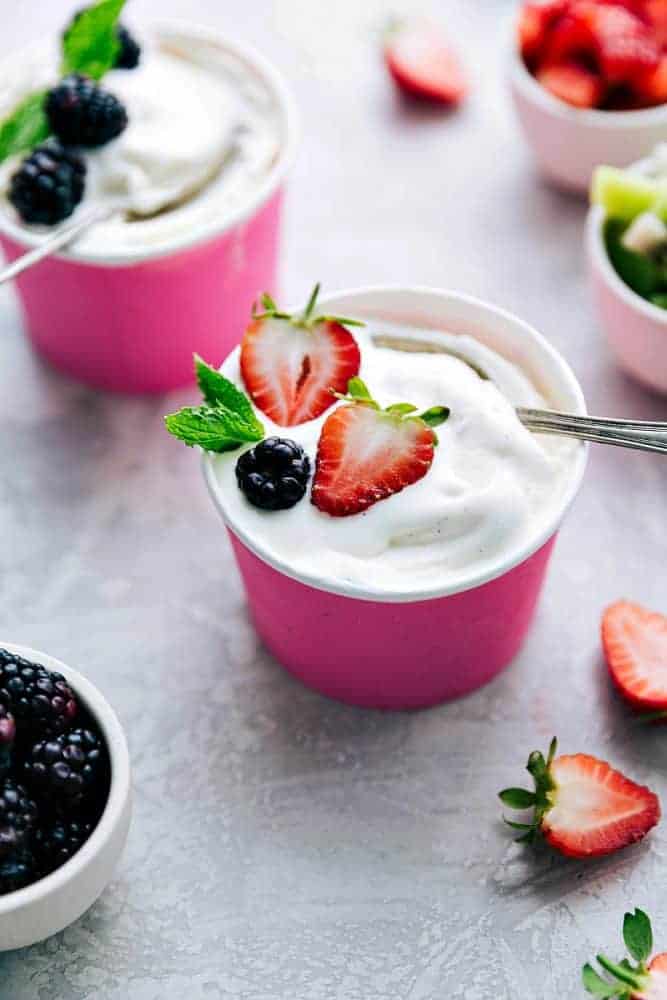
column 66, row 235
column 642, row 435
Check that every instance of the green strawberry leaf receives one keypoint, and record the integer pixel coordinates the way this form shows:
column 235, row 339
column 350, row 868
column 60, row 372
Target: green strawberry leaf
column 213, row 428
column 25, row 128
column 435, row 415
column 357, row 389
column 402, row 409
column 517, row 798
column 218, row 390
column 598, row 986
column 638, row 935
column 90, row 44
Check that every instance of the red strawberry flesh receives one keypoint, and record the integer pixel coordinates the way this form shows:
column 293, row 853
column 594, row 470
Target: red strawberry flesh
column 289, row 370
column 423, row 64
column 635, row 646
column 365, row 455
column 596, row 810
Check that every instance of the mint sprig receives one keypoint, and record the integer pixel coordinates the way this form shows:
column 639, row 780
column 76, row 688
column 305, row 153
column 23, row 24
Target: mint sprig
column 90, row 47
column 90, row 44
column 25, row 128
column 224, row 422
column 624, row 980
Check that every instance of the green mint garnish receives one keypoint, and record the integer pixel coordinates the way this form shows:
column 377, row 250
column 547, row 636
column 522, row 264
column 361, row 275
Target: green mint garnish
column 90, row 44
column 25, row 128
column 224, row 422
column 625, row 979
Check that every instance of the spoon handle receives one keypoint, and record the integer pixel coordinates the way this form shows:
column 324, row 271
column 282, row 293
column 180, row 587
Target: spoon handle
column 55, row 241
column 644, row 435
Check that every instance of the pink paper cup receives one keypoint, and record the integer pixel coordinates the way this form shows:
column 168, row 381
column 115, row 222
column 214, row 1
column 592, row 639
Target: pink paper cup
column 636, row 330
column 130, row 321
column 408, row 650
column 568, row 143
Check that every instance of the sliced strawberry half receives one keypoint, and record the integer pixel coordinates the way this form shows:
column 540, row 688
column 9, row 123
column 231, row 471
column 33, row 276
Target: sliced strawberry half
column 652, row 87
column 635, row 648
column 635, row 977
column 573, row 84
column 423, row 64
column 583, row 807
column 290, row 364
column 536, row 21
column 625, row 46
column 657, row 984
column 366, row 454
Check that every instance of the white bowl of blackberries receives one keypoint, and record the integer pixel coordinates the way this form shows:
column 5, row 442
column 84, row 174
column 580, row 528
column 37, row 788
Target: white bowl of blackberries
column 65, row 795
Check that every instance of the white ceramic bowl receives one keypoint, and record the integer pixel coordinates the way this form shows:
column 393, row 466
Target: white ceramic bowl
column 635, row 328
column 48, row 906
column 568, row 143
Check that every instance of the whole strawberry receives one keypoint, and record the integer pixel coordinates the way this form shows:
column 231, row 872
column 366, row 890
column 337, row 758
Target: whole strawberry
column 581, row 805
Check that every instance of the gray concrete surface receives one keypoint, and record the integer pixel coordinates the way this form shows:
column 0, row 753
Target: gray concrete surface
column 285, row 847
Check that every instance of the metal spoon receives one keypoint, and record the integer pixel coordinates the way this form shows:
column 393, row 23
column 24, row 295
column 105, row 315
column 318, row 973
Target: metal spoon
column 65, row 235
column 642, row 435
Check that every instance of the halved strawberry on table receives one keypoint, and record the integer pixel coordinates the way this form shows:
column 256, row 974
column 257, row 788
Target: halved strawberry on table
column 581, row 805
column 634, row 640
column 290, row 363
column 366, row 454
column 422, row 62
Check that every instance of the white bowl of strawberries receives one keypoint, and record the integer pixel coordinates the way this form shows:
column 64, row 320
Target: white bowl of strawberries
column 589, row 83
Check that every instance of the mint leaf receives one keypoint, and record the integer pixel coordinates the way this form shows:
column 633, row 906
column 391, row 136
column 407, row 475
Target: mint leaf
column 25, row 127
column 90, row 44
column 218, row 390
column 213, row 428
column 638, row 935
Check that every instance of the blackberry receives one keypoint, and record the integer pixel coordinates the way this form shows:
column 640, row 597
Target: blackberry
column 83, row 114
column 130, row 50
column 7, row 735
column 56, row 842
column 48, row 185
column 17, row 871
column 274, row 474
column 41, row 702
column 67, row 769
column 18, row 815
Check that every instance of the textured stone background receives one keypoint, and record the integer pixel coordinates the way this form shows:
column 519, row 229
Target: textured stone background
column 285, row 847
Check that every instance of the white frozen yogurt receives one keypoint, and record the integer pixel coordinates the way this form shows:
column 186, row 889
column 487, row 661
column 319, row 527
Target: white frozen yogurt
column 204, row 132
column 491, row 482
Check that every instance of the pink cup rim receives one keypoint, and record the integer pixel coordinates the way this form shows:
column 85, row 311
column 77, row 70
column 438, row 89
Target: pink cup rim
column 48, row 888
column 600, row 258
column 213, row 228
column 345, row 300
column 594, row 118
